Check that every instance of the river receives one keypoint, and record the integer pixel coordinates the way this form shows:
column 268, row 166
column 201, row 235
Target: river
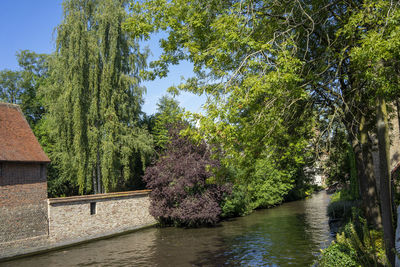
column 290, row 234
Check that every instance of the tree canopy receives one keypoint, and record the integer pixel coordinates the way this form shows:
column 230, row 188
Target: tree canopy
column 286, row 81
column 271, row 69
column 94, row 98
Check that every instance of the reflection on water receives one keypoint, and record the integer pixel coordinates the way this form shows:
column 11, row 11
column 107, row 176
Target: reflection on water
column 291, row 234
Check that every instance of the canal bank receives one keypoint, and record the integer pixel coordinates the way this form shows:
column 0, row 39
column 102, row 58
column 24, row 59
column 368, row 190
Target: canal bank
column 290, row 234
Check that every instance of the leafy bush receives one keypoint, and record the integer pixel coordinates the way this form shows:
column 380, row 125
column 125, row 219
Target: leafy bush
column 237, row 203
column 336, row 255
column 355, row 246
column 183, row 193
column 262, row 184
column 269, row 184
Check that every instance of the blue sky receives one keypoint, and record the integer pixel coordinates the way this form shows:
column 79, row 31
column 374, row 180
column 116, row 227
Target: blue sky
column 30, row 24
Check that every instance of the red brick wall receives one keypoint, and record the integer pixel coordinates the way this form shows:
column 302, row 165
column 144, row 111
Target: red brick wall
column 22, row 194
column 23, row 206
column 22, row 184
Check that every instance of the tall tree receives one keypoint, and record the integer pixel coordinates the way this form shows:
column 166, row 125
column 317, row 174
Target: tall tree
column 267, row 57
column 94, row 97
column 168, row 114
column 376, row 56
column 34, row 74
column 249, row 82
column 22, row 86
column 10, row 90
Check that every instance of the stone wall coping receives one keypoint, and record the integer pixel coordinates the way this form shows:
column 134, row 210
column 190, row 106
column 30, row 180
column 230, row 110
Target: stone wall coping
column 97, row 196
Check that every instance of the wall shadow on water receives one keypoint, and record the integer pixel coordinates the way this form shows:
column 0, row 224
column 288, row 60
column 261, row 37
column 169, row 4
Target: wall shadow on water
column 132, row 249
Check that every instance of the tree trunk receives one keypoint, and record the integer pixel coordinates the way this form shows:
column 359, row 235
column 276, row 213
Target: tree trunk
column 94, row 181
column 358, row 156
column 368, row 192
column 99, row 191
column 385, row 185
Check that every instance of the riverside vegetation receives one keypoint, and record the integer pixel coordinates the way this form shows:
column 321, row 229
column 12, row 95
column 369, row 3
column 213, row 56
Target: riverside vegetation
column 356, row 244
column 288, row 83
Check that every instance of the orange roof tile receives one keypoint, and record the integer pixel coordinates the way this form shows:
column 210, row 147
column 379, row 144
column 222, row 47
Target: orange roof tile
column 17, row 141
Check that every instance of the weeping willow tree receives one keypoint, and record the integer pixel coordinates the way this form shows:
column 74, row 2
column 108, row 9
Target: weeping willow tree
column 94, row 98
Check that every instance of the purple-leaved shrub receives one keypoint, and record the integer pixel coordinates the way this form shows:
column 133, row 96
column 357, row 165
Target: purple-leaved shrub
column 180, row 194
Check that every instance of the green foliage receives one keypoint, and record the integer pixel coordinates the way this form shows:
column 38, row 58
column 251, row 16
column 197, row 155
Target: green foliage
column 10, row 90
column 237, row 203
column 168, row 113
column 94, row 98
column 267, row 187
column 22, row 86
column 269, row 184
column 355, row 246
column 376, row 24
column 57, row 185
column 34, row 75
column 336, row 255
column 270, row 70
column 257, row 115
column 342, row 195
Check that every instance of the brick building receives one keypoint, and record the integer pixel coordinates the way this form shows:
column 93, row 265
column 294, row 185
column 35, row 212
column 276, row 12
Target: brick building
column 23, row 183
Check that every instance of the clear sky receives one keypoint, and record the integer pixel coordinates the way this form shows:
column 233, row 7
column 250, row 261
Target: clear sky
column 30, row 24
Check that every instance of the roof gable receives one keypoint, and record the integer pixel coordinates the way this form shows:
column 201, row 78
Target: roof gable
column 17, row 141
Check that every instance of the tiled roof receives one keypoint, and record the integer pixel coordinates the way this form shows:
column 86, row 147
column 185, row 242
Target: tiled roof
column 17, row 141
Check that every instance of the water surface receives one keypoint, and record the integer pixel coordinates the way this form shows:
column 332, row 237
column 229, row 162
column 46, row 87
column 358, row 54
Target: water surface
column 289, row 235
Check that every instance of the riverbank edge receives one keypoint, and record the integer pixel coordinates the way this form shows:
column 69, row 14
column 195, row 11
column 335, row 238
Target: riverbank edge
column 51, row 246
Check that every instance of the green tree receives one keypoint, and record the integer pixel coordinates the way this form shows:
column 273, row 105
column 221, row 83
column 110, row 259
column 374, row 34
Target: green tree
column 22, row 86
column 33, row 74
column 249, row 83
column 261, row 61
column 10, row 90
column 94, row 98
column 168, row 114
column 376, row 24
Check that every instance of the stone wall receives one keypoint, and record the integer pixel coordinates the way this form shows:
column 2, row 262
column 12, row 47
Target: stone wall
column 83, row 217
column 23, row 207
column 72, row 220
